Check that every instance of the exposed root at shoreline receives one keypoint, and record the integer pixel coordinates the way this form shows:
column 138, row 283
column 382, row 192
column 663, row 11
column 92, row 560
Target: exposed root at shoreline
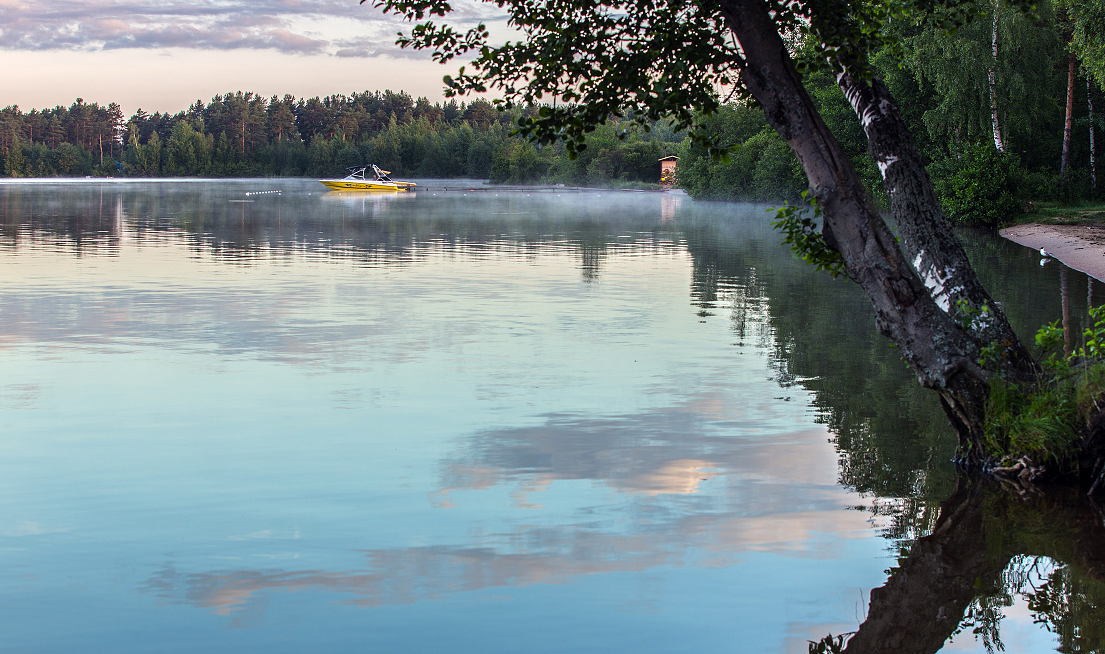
column 1021, row 469
column 1020, row 475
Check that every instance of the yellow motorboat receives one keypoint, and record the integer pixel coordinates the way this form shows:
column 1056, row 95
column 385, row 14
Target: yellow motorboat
column 358, row 180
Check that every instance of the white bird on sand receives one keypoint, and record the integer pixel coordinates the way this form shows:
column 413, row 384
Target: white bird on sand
column 1044, row 253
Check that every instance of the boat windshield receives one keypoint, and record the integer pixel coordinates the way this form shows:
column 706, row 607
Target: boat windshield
column 361, row 173
column 381, row 175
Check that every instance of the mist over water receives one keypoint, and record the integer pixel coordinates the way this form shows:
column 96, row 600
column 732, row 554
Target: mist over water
column 466, row 420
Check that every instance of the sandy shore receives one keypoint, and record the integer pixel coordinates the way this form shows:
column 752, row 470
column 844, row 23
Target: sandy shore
column 1077, row 246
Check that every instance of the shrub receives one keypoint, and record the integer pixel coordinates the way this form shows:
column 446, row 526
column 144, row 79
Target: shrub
column 982, row 187
column 762, row 169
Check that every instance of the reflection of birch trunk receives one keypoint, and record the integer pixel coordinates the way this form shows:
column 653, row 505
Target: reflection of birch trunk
column 1089, row 295
column 981, row 529
column 926, row 596
column 1069, row 120
column 1066, row 309
column 999, row 143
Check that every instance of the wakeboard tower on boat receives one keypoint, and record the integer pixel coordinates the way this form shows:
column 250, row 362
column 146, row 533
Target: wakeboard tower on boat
column 358, row 180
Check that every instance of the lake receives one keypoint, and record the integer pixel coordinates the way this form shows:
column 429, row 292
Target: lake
column 254, row 415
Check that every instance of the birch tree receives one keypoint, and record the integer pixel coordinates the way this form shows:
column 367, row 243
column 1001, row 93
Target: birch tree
column 992, row 80
column 1093, row 150
column 992, row 76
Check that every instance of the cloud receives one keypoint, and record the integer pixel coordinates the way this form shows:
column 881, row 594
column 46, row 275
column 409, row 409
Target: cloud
column 291, row 26
column 371, row 46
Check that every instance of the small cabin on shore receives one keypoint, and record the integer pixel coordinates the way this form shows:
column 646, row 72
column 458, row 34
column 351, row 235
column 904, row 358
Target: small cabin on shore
column 667, row 169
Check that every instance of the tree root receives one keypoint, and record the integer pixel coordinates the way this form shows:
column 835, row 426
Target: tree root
column 1020, row 474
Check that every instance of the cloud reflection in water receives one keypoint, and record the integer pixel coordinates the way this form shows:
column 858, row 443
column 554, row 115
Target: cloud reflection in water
column 664, row 511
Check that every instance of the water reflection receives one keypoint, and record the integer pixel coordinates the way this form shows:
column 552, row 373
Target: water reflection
column 232, row 220
column 989, row 546
column 407, row 399
column 893, row 441
column 535, row 555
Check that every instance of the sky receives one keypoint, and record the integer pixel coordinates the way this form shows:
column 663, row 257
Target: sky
column 163, row 56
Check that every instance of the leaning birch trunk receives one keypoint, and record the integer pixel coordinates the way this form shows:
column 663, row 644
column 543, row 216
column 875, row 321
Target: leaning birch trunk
column 944, row 355
column 999, row 142
column 1069, row 120
column 927, row 236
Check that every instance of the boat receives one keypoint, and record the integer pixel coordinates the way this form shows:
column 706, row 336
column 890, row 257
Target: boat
column 358, row 180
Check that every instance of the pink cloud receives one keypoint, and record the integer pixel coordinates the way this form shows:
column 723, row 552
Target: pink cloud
column 93, row 25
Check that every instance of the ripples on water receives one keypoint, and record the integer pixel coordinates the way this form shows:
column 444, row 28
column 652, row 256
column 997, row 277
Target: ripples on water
column 447, row 421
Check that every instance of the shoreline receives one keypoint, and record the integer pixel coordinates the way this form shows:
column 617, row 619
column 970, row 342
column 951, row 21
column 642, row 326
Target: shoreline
column 1076, row 246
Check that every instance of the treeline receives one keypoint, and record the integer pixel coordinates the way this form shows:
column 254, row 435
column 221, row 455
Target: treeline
column 243, row 134
column 58, row 141
column 998, row 132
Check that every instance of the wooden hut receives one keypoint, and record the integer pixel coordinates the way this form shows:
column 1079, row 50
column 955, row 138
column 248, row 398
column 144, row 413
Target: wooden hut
column 667, row 169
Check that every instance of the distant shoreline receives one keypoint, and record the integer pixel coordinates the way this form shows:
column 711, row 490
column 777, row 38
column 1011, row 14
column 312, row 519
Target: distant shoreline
column 435, row 184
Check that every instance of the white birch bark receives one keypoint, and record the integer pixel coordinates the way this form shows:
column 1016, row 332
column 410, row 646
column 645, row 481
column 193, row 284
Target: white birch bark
column 1093, row 153
column 999, row 142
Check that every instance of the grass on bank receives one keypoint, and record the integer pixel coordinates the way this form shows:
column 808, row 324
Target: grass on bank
column 1045, row 420
column 1055, row 213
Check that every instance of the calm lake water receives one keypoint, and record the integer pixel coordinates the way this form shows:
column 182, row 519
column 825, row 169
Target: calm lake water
column 483, row 421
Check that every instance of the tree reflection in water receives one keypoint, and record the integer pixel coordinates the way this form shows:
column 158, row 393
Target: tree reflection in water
column 991, row 546
column 986, row 546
